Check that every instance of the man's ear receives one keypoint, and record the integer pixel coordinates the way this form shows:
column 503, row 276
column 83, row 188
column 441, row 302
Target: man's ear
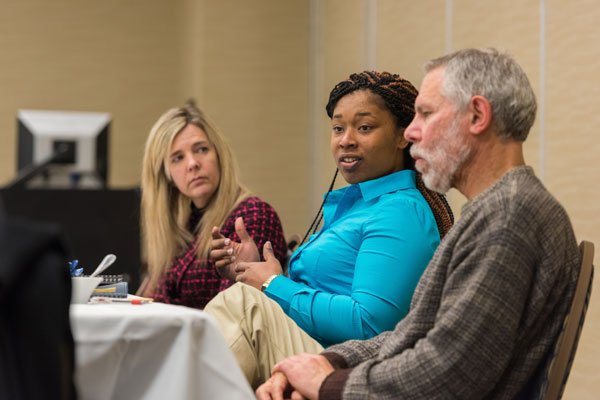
column 481, row 114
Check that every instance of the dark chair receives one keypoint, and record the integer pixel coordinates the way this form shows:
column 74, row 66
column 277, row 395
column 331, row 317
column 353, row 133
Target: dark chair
column 36, row 345
column 566, row 345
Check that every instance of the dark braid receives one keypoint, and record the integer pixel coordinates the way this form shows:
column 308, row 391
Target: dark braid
column 319, row 215
column 439, row 206
column 399, row 96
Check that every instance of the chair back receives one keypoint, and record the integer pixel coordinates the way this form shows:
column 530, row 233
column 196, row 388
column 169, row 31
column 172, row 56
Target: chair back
column 564, row 352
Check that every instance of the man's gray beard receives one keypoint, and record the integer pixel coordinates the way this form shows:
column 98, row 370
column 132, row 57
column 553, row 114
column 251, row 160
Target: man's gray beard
column 441, row 181
column 455, row 151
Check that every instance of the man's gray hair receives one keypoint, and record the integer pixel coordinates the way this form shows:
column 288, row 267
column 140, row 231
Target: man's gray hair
column 496, row 76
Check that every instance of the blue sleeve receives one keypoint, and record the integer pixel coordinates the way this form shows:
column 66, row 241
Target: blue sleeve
column 398, row 243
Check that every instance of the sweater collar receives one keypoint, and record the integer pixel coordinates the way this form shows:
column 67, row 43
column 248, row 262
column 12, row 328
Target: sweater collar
column 520, row 170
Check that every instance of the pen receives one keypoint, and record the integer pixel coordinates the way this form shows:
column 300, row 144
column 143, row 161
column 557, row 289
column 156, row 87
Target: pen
column 132, row 301
column 143, row 300
column 75, row 271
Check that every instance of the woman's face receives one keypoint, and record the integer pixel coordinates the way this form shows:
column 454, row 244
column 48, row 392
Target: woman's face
column 194, row 166
column 365, row 141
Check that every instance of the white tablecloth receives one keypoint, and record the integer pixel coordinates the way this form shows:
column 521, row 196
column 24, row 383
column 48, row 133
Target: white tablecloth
column 152, row 351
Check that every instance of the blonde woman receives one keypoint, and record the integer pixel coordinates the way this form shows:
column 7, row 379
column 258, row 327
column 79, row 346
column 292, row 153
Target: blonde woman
column 189, row 186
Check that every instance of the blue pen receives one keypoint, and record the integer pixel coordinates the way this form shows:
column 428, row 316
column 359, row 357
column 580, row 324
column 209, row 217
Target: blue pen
column 75, row 271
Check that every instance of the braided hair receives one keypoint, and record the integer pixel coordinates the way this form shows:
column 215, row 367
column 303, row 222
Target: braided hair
column 399, row 96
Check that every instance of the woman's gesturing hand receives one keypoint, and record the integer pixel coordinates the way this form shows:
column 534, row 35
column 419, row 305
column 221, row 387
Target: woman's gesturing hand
column 256, row 273
column 227, row 253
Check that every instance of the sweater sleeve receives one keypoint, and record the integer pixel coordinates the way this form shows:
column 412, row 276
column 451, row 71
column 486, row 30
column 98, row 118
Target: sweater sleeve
column 458, row 358
column 395, row 248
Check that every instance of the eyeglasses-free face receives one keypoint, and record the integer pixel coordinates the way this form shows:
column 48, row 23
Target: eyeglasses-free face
column 366, row 142
column 194, row 165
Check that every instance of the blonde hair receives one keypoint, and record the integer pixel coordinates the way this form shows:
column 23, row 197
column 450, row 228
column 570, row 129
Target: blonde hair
column 165, row 211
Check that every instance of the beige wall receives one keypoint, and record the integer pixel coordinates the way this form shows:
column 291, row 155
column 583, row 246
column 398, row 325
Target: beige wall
column 572, row 152
column 255, row 86
column 102, row 56
column 263, row 70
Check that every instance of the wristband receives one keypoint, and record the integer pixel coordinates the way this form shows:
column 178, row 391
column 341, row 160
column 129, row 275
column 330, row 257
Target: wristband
column 268, row 282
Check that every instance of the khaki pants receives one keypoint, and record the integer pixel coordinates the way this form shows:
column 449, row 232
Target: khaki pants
column 257, row 330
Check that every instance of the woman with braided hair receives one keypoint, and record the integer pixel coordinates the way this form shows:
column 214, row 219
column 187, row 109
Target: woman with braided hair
column 355, row 277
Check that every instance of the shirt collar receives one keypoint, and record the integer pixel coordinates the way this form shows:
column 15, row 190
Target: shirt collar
column 400, row 180
column 369, row 190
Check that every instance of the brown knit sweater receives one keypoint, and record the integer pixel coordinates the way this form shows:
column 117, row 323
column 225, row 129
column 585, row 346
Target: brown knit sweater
column 486, row 312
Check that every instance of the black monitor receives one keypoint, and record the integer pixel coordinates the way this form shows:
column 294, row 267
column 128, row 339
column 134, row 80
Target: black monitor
column 62, row 149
